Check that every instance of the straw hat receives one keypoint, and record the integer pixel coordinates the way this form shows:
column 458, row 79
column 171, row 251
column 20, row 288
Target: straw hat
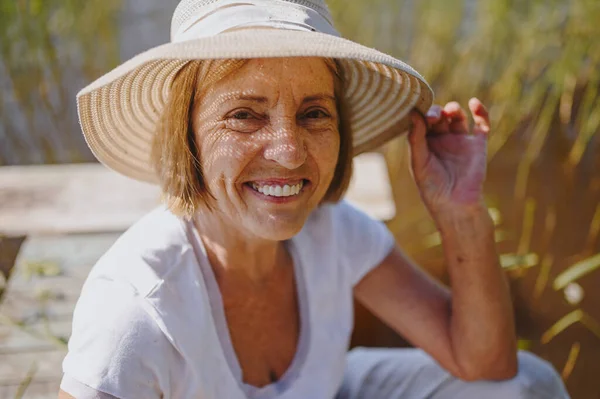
column 118, row 112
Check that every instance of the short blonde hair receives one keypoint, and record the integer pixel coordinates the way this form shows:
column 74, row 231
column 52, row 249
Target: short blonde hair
column 175, row 152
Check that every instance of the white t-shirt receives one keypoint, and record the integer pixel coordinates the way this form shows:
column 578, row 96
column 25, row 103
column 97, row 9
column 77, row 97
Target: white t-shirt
column 150, row 322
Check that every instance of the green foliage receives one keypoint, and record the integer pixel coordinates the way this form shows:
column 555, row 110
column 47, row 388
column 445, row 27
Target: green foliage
column 40, row 41
column 520, row 58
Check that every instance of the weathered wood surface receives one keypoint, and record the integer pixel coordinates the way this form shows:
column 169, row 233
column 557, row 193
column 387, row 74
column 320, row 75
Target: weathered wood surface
column 36, row 312
column 91, row 198
column 70, row 199
column 9, row 248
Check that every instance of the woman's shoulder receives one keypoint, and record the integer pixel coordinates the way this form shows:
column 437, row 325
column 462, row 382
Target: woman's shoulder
column 339, row 216
column 119, row 343
column 113, row 308
column 158, row 229
column 333, row 227
column 344, row 233
column 115, row 343
column 144, row 254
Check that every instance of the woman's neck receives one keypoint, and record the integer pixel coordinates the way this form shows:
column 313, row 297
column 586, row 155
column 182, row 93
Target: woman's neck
column 232, row 253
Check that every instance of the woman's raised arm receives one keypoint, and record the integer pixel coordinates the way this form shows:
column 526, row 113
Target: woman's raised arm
column 470, row 330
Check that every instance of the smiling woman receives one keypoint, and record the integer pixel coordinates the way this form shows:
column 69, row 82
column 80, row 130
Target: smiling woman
column 223, row 97
column 272, row 123
column 242, row 285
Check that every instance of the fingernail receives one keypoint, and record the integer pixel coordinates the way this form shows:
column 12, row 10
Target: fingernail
column 433, row 113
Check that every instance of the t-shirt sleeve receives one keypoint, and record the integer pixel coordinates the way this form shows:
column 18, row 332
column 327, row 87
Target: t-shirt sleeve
column 363, row 242
column 79, row 390
column 115, row 349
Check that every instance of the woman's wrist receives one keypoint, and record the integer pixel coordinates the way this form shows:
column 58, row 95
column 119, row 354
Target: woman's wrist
column 467, row 221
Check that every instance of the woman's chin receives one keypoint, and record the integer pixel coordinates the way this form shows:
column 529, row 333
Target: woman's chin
column 278, row 229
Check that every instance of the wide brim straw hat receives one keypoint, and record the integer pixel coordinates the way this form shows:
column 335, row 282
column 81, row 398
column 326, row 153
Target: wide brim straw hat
column 119, row 111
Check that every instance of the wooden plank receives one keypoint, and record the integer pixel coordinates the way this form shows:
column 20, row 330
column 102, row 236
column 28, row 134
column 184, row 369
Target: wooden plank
column 9, row 248
column 70, row 198
column 14, row 366
column 91, row 198
column 36, row 313
column 68, row 259
column 39, row 388
column 72, row 254
column 34, row 338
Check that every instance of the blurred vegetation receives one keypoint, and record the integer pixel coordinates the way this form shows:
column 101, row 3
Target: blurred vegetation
column 44, row 45
column 527, row 60
column 536, row 64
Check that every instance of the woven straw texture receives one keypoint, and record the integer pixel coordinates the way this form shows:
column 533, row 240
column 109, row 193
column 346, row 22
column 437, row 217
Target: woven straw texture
column 118, row 112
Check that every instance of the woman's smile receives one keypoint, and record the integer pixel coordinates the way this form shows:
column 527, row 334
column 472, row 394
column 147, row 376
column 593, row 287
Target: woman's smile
column 278, row 190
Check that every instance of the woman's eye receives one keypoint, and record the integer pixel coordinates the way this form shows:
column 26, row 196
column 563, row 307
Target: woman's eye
column 244, row 120
column 315, row 114
column 242, row 115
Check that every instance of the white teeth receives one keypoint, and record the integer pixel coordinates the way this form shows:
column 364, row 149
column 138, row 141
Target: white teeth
column 279, row 191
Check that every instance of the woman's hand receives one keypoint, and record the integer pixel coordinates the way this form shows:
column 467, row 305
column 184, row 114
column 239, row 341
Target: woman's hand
column 448, row 161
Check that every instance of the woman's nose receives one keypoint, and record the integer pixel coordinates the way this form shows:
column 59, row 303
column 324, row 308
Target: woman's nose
column 286, row 146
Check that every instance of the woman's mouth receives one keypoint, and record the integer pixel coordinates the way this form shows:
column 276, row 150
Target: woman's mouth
column 278, row 190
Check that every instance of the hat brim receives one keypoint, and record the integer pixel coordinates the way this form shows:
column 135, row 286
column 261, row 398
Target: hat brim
column 119, row 111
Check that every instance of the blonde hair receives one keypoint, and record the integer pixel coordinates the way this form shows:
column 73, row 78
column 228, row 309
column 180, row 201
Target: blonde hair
column 175, row 152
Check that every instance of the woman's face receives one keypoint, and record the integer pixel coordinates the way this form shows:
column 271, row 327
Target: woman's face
column 268, row 141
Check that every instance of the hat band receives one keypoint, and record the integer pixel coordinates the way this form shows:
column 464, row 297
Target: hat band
column 232, row 14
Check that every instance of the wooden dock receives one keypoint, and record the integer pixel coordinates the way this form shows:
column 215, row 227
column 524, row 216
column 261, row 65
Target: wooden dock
column 36, row 309
column 64, row 218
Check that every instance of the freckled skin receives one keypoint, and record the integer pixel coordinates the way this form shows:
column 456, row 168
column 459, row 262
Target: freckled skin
column 274, row 134
column 448, row 160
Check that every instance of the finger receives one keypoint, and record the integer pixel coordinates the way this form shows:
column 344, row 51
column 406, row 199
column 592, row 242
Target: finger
column 437, row 122
column 419, row 152
column 458, row 120
column 433, row 115
column 441, row 127
column 480, row 116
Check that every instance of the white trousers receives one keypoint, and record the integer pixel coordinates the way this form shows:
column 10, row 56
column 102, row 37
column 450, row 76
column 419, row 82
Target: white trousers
column 376, row 373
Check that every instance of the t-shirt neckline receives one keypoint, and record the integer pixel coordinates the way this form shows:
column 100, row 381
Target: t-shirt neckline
column 220, row 324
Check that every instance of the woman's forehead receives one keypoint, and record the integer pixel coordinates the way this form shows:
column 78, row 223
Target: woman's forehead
column 301, row 76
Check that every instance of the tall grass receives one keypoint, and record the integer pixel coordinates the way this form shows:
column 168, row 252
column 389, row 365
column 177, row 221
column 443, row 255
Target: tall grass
column 47, row 48
column 535, row 64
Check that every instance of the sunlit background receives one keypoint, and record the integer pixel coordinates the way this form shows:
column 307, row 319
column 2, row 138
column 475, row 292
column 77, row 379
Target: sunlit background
column 535, row 64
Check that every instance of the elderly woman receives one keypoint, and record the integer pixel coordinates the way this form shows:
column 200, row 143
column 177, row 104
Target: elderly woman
column 242, row 285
